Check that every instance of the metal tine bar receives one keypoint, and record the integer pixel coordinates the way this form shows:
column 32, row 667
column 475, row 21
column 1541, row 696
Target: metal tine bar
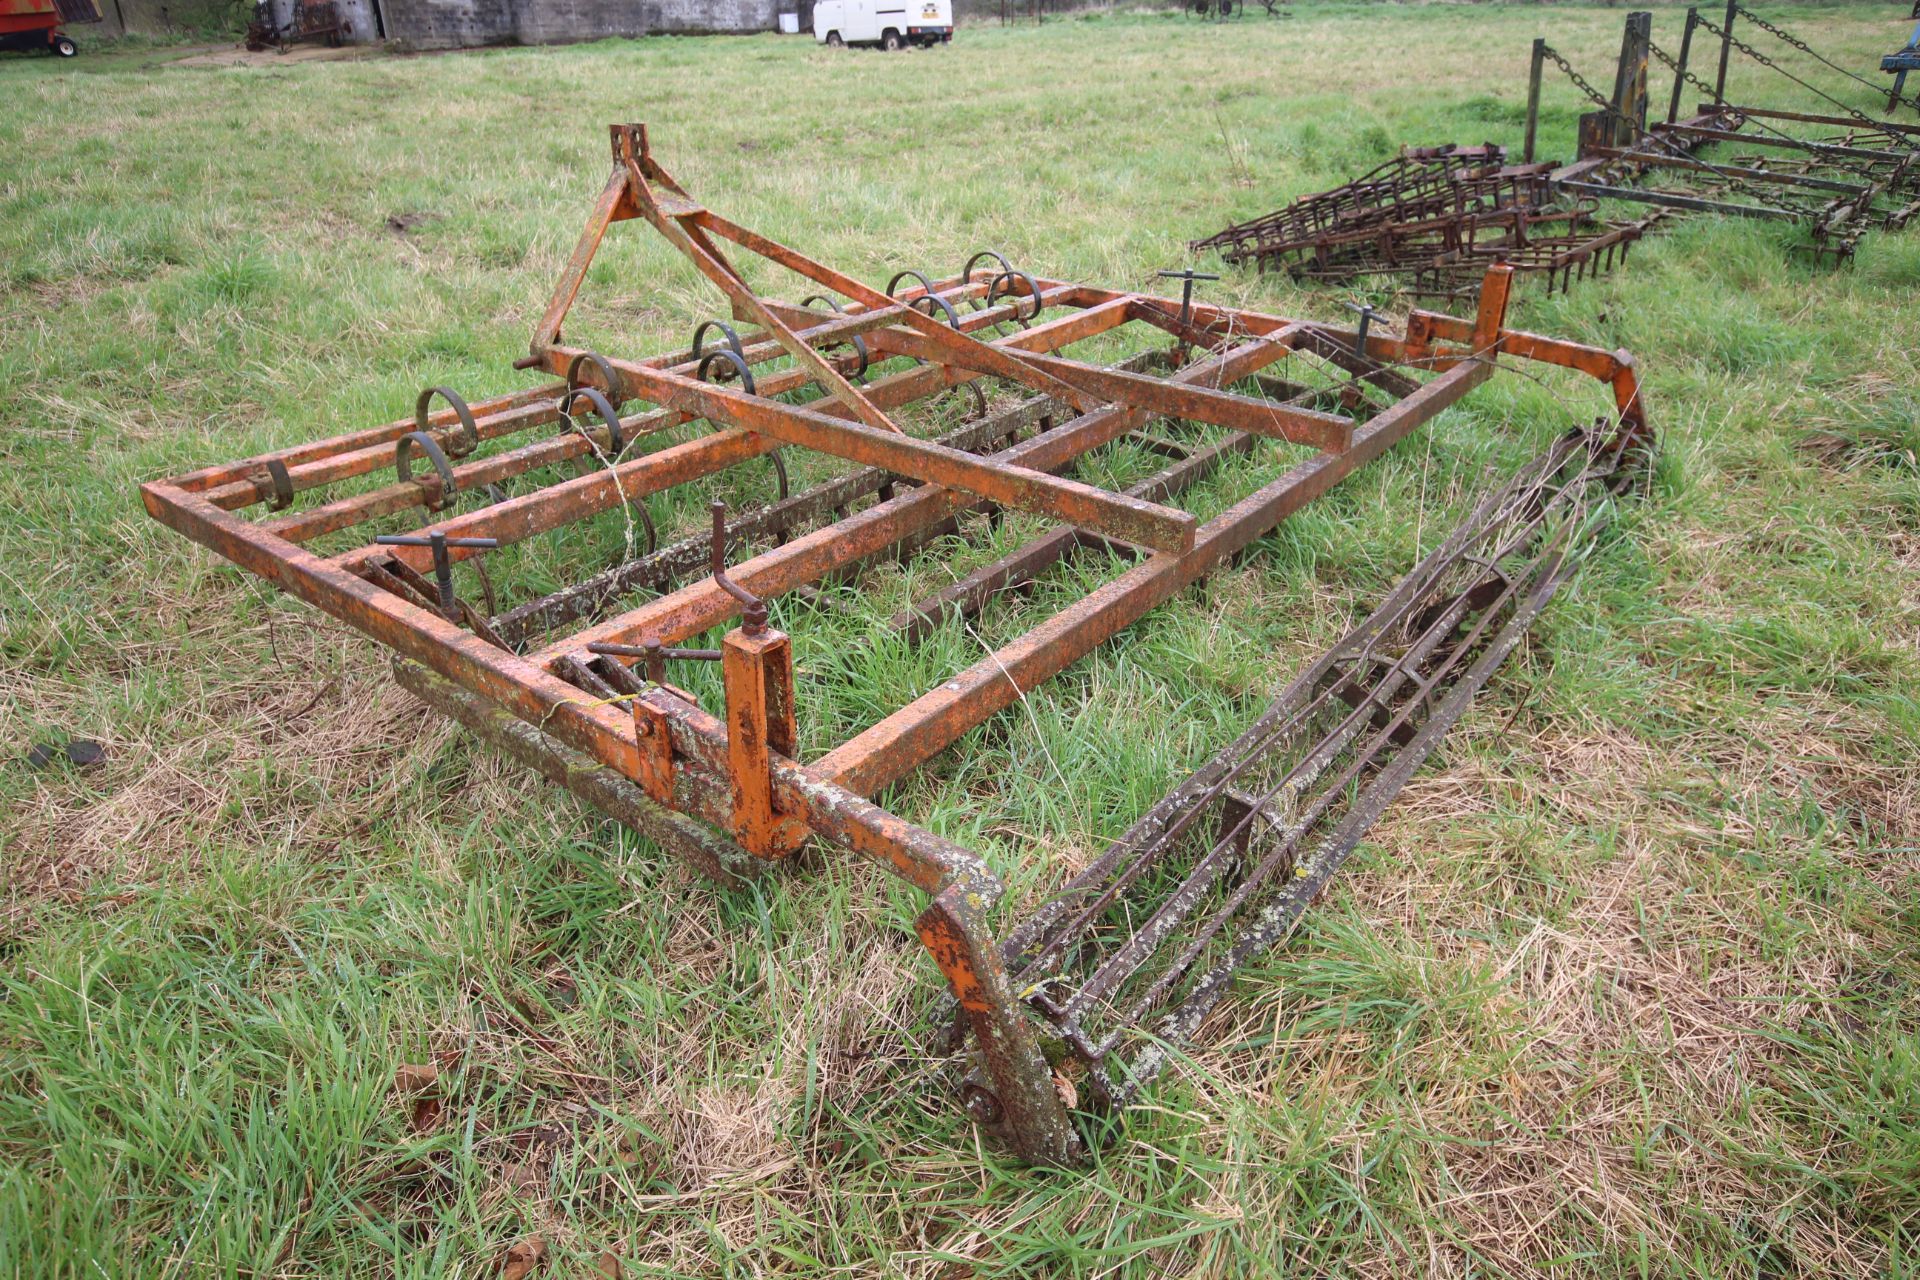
column 1276, row 859
column 1549, row 555
column 345, row 512
column 1343, row 358
column 1279, row 919
column 966, row 597
column 965, row 352
column 345, row 466
column 620, row 676
column 1301, row 776
column 1151, row 829
column 1524, row 496
column 1245, row 751
column 562, row 503
column 1153, row 832
column 1010, row 484
column 669, row 564
column 696, row 607
column 312, row 467
column 227, row 485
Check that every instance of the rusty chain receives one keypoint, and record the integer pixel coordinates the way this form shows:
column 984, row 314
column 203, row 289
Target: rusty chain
column 1804, row 47
column 1579, row 81
column 1771, row 65
column 1642, row 135
column 1688, row 77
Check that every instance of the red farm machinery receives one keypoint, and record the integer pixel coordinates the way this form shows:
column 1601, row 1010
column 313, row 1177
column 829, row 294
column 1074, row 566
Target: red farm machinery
column 27, row 25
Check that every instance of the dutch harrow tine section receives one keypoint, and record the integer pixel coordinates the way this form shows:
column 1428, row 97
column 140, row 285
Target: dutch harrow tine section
column 831, row 401
column 1132, row 954
column 1435, row 217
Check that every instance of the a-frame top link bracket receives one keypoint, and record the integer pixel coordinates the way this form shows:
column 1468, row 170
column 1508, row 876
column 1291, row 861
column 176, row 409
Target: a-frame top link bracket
column 640, row 188
column 675, row 215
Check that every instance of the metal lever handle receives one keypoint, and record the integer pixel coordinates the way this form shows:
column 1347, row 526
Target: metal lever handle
column 1189, row 275
column 753, row 610
column 654, row 655
column 442, row 562
column 1367, row 314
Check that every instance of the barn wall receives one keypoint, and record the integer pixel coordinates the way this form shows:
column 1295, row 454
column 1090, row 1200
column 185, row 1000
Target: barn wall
column 162, row 18
column 446, row 23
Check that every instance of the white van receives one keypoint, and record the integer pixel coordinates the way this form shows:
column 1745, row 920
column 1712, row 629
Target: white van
column 887, row 23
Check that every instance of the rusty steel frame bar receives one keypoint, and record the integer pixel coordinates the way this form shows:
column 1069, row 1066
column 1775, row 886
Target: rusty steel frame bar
column 696, row 608
column 799, row 513
column 723, row 789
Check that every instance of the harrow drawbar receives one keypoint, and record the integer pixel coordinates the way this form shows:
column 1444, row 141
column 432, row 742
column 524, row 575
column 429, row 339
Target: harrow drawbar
column 843, row 407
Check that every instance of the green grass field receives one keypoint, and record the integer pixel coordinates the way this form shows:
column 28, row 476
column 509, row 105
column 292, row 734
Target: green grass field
column 1626, row 983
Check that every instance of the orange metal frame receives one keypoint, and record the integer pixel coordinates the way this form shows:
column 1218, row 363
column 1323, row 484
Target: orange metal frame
column 734, row 775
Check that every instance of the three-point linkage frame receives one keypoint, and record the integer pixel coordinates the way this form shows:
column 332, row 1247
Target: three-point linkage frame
column 573, row 682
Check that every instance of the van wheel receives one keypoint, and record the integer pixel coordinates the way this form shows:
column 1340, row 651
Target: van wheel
column 834, row 41
column 890, row 41
column 64, row 47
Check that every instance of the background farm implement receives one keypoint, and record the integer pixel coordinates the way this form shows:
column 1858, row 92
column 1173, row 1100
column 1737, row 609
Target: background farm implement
column 1436, row 217
column 1432, row 218
column 1837, row 172
column 846, row 405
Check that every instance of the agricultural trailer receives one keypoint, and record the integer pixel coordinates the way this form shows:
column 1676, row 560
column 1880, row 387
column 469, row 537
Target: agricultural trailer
column 29, row 25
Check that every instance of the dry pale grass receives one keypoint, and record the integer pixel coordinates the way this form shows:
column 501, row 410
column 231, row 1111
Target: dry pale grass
column 1642, row 989
column 292, row 697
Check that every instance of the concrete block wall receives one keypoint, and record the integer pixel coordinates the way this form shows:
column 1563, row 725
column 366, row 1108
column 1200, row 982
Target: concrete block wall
column 446, row 24
column 694, row 17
